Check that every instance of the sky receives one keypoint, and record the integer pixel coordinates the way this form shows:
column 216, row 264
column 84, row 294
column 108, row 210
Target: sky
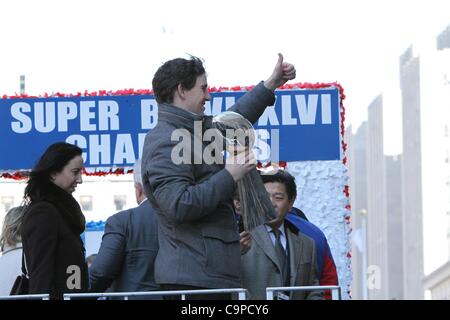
column 70, row 46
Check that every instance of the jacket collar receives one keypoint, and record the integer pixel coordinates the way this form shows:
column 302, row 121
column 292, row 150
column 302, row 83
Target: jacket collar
column 181, row 118
column 66, row 204
column 292, row 227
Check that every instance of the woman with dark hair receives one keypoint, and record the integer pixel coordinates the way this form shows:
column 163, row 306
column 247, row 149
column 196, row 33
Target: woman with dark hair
column 54, row 251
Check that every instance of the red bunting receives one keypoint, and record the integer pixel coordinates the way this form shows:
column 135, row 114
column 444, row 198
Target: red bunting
column 281, row 165
column 135, row 92
column 18, row 175
column 117, row 172
column 347, row 191
column 344, row 161
column 348, row 219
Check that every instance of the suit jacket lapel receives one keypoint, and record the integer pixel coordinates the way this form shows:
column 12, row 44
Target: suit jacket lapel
column 295, row 246
column 262, row 239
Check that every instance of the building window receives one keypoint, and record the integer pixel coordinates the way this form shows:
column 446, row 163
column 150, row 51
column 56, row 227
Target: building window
column 120, row 202
column 86, row 203
column 7, row 202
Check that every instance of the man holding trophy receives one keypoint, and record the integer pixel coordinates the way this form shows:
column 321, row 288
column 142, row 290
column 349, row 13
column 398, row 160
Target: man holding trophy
column 198, row 235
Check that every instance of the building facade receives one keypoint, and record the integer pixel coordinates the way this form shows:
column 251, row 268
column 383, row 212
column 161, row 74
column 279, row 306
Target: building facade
column 412, row 176
column 377, row 240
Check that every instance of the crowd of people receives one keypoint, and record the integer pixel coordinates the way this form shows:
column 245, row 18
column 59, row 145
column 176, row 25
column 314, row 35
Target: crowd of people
column 184, row 234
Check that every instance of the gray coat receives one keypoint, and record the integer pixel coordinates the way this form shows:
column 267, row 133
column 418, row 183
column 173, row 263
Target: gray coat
column 198, row 235
column 127, row 253
column 261, row 269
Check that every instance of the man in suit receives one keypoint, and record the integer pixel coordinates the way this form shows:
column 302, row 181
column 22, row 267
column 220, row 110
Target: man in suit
column 280, row 256
column 198, row 236
column 125, row 261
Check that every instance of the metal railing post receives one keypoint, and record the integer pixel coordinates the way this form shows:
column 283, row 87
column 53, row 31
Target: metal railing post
column 242, row 295
column 335, row 290
column 269, row 295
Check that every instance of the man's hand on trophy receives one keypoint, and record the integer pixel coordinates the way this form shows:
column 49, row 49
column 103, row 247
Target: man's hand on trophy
column 240, row 160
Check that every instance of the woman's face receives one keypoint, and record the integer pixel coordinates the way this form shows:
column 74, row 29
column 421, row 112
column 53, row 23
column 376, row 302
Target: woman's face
column 70, row 176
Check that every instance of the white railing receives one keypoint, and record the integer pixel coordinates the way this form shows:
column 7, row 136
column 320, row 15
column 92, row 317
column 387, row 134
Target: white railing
column 26, row 297
column 242, row 293
column 335, row 290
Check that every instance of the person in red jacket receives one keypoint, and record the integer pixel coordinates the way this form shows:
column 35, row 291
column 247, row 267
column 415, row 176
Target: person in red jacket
column 326, row 267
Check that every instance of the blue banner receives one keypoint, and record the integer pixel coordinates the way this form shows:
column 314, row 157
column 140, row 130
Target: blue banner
column 303, row 125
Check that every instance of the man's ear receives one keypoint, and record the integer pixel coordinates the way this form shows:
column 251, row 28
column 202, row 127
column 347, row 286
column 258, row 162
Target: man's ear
column 291, row 204
column 139, row 192
column 180, row 91
column 139, row 188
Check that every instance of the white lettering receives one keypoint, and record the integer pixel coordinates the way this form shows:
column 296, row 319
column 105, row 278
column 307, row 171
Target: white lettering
column 198, row 142
column 124, row 149
column 108, row 113
column 86, row 115
column 194, row 310
column 274, row 145
column 67, row 110
column 269, row 116
column 261, row 147
column 141, row 140
column 286, row 111
column 80, row 141
column 326, row 108
column 44, row 118
column 23, row 125
column 49, row 116
column 307, row 111
column 229, row 102
column 100, row 149
column 213, row 151
column 149, row 113
column 181, row 152
column 214, row 107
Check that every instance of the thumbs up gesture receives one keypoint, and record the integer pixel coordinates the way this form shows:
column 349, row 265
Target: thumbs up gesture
column 282, row 73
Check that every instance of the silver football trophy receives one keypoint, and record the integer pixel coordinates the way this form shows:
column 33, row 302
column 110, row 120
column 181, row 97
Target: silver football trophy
column 256, row 207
